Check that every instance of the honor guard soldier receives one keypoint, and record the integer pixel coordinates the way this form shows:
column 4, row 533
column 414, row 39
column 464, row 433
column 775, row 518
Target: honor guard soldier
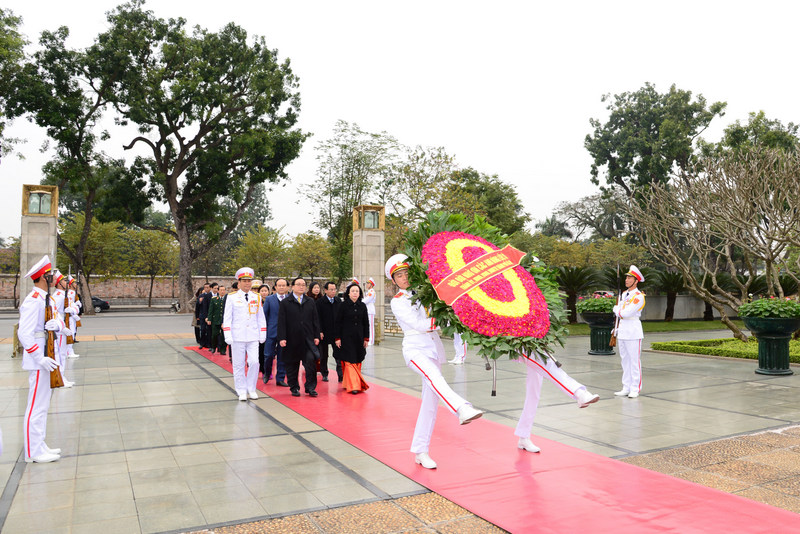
column 60, row 298
column 424, row 354
column 369, row 301
column 629, row 333
column 32, row 337
column 73, row 314
column 244, row 327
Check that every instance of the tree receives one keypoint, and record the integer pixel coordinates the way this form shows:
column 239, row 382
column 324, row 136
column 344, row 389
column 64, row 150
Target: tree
column 350, row 165
column 552, row 226
column 759, row 131
column 740, row 211
column 52, row 88
column 497, row 199
column 417, row 183
column 152, row 253
column 9, row 262
column 12, row 55
column 600, row 215
column 647, row 137
column 263, row 249
column 214, row 112
column 310, row 255
column 575, row 280
column 104, row 252
column 670, row 283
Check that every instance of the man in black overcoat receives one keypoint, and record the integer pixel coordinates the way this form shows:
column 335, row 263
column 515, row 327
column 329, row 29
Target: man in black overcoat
column 327, row 309
column 298, row 334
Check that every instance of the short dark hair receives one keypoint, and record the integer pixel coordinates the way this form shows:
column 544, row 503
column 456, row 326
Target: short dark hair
column 298, row 278
column 220, row 286
column 284, row 279
column 328, row 283
column 214, row 284
column 235, row 285
column 347, row 292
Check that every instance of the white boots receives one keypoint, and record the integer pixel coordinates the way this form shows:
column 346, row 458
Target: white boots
column 527, row 445
column 584, row 398
column 425, row 461
column 467, row 414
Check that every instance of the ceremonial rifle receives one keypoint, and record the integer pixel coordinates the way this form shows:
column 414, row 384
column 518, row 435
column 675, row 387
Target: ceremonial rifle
column 56, row 380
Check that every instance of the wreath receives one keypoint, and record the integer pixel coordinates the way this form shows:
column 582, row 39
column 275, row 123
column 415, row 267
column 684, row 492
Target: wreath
column 493, row 316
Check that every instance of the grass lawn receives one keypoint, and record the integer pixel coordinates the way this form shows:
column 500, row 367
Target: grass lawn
column 731, row 348
column 582, row 329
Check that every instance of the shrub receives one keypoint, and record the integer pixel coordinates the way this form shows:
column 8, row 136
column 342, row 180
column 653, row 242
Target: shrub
column 770, row 307
column 596, row 304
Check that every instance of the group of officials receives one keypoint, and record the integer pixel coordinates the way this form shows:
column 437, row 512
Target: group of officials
column 294, row 326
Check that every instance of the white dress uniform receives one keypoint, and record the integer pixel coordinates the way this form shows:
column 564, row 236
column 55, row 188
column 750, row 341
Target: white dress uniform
column 461, row 349
column 629, row 339
column 424, row 354
column 244, row 327
column 369, row 301
column 31, row 335
column 538, row 370
column 75, row 305
column 59, row 297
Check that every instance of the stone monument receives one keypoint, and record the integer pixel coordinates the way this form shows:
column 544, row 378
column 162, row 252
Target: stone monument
column 369, row 224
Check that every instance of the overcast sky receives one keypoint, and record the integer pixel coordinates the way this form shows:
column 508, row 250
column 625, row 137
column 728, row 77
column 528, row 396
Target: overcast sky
column 508, row 88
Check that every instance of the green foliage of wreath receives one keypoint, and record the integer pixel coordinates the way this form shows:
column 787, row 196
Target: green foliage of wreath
column 492, row 347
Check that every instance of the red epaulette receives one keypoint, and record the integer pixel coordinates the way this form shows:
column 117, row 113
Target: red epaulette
column 399, row 295
column 36, row 294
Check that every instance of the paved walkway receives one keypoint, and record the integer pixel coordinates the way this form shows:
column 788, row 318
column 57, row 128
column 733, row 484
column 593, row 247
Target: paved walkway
column 154, row 440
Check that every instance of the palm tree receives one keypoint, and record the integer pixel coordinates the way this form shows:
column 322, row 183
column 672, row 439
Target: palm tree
column 671, row 284
column 574, row 280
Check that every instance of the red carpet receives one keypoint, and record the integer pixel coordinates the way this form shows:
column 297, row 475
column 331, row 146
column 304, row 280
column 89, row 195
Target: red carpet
column 561, row 490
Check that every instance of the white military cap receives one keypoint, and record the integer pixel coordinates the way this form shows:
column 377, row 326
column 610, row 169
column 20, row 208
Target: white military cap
column 395, row 263
column 57, row 277
column 355, row 281
column 245, row 273
column 371, row 280
column 636, row 273
column 39, row 268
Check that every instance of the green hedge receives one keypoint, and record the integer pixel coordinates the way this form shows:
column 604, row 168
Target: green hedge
column 730, row 348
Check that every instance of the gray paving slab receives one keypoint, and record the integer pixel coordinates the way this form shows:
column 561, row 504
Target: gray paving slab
column 155, row 441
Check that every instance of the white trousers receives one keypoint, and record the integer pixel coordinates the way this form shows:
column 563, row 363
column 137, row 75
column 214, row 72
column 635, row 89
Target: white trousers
column 537, row 371
column 630, row 351
column 34, row 424
column 371, row 328
column 461, row 347
column 241, row 353
column 72, row 322
column 427, row 364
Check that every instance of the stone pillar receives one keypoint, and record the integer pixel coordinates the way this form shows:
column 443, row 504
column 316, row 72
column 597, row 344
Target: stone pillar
column 39, row 230
column 368, row 255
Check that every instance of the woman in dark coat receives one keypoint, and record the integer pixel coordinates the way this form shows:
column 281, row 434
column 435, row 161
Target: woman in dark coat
column 352, row 338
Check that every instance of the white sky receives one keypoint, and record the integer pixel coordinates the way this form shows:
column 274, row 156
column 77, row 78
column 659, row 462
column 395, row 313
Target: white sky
column 507, row 87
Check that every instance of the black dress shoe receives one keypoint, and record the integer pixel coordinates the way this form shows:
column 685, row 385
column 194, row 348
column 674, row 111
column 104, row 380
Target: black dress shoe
column 324, row 378
column 341, row 379
column 266, row 379
column 312, row 393
column 295, row 393
column 282, row 383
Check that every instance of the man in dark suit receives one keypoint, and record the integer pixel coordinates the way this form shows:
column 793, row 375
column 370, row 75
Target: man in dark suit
column 327, row 309
column 205, row 303
column 298, row 334
column 215, row 312
column 272, row 349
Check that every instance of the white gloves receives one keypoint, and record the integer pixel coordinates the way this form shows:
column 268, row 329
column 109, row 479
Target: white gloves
column 616, row 309
column 229, row 340
column 52, row 325
column 48, row 364
column 260, row 340
column 72, row 310
column 66, row 331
